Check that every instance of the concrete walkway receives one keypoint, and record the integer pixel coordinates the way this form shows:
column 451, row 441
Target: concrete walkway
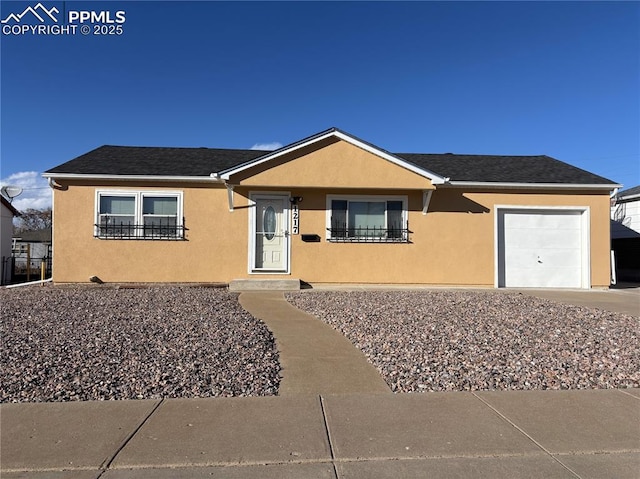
column 315, row 358
column 532, row 434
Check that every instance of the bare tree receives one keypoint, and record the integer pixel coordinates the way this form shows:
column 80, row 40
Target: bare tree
column 32, row 220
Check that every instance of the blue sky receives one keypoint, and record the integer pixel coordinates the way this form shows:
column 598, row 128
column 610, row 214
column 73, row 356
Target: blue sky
column 521, row 78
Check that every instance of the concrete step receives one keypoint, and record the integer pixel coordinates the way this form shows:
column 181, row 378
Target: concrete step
column 289, row 284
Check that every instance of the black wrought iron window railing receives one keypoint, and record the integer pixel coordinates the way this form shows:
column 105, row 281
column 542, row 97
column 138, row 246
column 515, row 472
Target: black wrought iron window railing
column 156, row 230
column 368, row 234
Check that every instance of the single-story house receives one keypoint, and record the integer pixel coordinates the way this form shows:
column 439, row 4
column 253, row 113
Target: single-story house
column 330, row 208
column 7, row 213
column 625, row 233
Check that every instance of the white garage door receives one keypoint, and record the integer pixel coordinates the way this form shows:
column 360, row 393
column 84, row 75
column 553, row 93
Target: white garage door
column 542, row 248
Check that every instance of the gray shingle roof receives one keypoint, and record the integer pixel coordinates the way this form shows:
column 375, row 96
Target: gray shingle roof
column 155, row 161
column 503, row 169
column 194, row 162
column 629, row 192
column 37, row 236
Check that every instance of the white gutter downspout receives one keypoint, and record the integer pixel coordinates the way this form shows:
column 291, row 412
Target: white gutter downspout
column 613, row 193
column 614, row 275
column 229, row 195
column 229, row 189
column 426, row 199
column 53, row 184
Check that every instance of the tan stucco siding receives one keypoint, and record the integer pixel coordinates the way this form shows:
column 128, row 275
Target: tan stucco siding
column 474, row 242
column 336, row 165
column 453, row 244
column 216, row 241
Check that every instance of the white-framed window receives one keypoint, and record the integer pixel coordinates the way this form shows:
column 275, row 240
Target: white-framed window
column 352, row 218
column 127, row 214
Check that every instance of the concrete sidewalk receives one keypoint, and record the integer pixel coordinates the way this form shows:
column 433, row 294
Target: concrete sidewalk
column 533, row 434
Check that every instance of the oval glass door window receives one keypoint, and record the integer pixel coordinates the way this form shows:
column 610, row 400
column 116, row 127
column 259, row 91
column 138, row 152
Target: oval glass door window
column 269, row 223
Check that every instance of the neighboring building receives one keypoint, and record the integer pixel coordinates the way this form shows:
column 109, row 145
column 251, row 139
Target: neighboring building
column 625, row 234
column 330, row 208
column 6, row 232
column 33, row 248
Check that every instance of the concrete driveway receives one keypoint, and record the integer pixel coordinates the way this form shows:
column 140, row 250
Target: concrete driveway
column 626, row 301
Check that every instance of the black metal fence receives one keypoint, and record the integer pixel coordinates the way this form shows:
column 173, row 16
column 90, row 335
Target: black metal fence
column 18, row 269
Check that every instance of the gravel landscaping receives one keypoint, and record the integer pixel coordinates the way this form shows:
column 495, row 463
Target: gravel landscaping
column 96, row 343
column 462, row 340
column 66, row 344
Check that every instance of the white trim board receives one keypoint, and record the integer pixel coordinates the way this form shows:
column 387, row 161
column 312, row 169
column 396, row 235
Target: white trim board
column 553, row 186
column 546, row 186
column 78, row 176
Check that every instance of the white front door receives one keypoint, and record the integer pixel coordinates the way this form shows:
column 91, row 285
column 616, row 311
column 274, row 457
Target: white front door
column 270, row 225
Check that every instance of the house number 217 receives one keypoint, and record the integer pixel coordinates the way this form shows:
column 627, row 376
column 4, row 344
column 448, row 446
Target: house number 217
column 295, row 219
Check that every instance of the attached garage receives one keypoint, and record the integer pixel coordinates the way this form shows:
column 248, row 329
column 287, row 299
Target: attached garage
column 542, row 247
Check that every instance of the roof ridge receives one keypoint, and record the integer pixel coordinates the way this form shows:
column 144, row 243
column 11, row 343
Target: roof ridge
column 178, row 148
column 270, row 151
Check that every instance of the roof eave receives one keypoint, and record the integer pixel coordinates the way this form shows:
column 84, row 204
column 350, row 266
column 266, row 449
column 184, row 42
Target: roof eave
column 334, row 132
column 545, row 186
column 628, row 197
column 164, row 178
column 10, row 207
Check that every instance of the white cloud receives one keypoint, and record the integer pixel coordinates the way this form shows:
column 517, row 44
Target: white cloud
column 267, row 146
column 35, row 190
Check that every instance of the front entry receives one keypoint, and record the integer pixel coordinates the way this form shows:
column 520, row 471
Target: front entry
column 270, row 233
